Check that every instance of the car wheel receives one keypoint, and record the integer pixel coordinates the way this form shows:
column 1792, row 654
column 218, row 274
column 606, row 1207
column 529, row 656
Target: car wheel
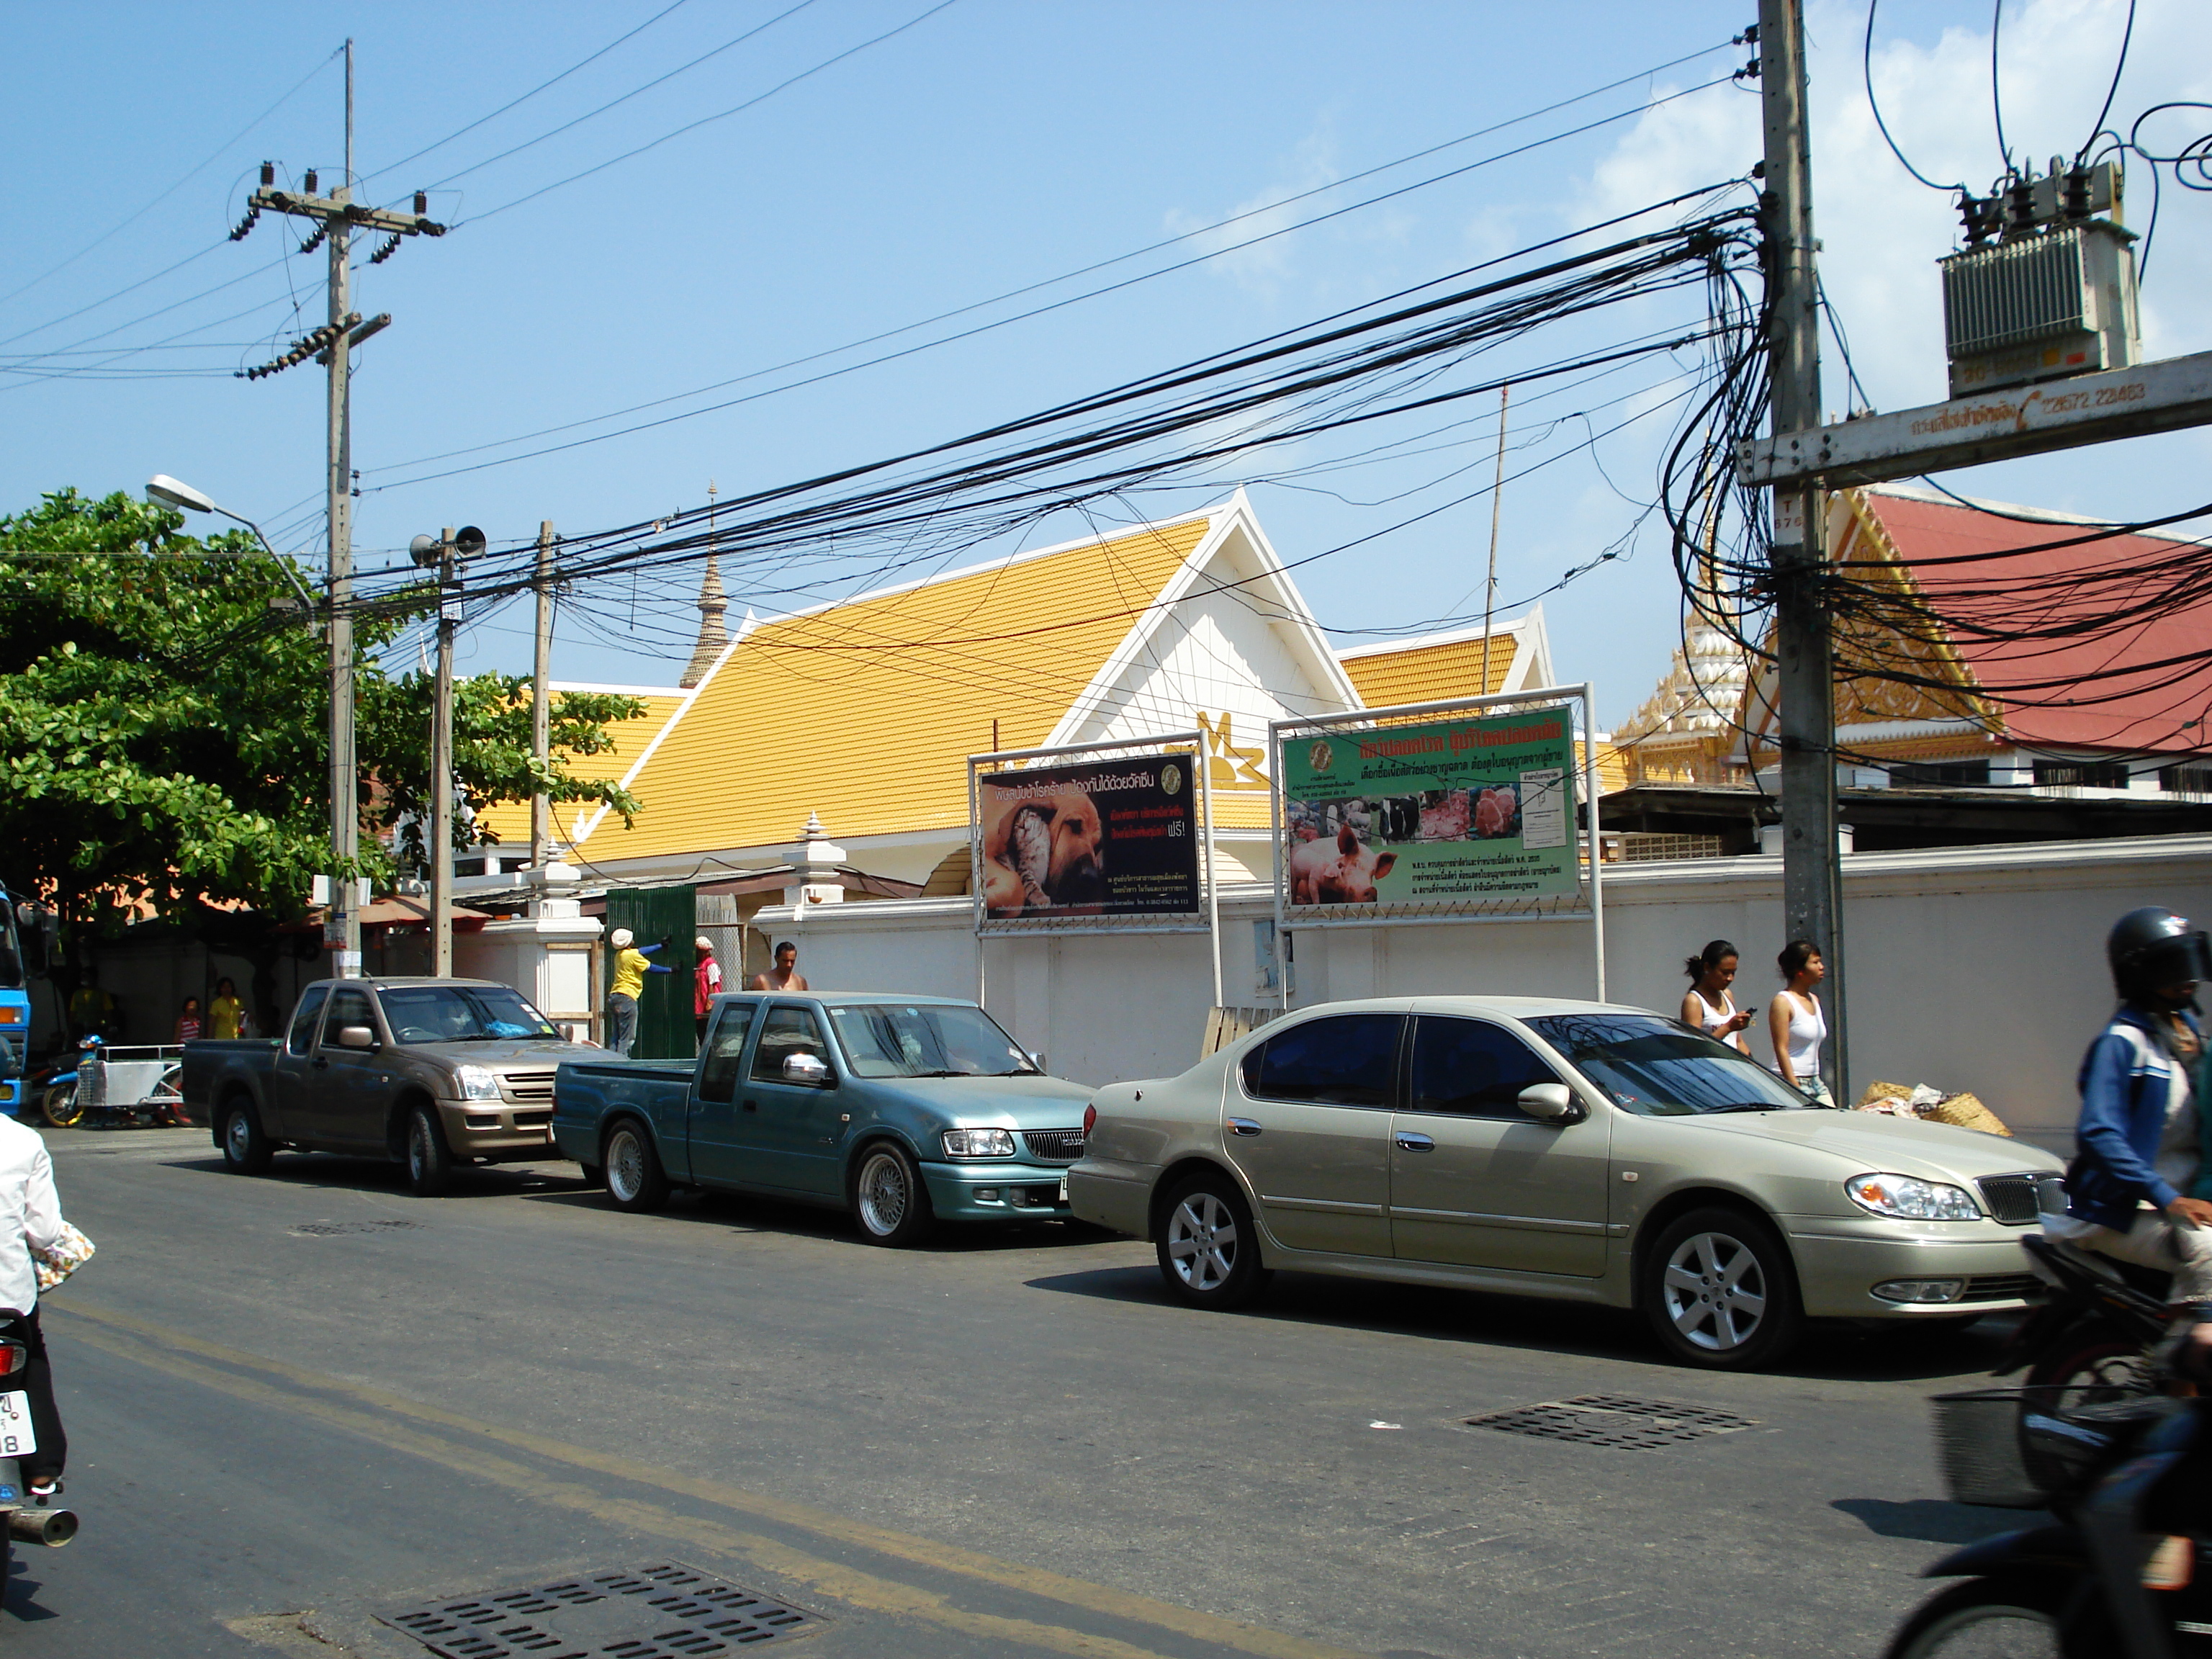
column 2006, row 1615
column 1209, row 1251
column 1719, row 1292
column 430, row 1164
column 60, row 1104
column 245, row 1148
column 888, row 1198
column 635, row 1180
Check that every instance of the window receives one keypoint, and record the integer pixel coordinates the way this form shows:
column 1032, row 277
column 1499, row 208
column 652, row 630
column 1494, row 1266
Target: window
column 1473, row 1070
column 786, row 1031
column 926, row 1040
column 1658, row 1067
column 1347, row 1060
column 2185, row 779
column 1938, row 774
column 726, row 1047
column 303, row 1020
column 464, row 1013
column 2082, row 774
column 347, row 1008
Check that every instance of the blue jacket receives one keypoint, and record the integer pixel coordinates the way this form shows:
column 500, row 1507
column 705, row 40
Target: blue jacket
column 2125, row 1078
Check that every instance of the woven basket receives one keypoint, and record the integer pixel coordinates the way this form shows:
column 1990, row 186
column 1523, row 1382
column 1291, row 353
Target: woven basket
column 1964, row 1112
column 1875, row 1091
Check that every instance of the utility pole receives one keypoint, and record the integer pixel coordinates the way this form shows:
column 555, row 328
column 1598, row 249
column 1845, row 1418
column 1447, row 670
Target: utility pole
column 1496, row 506
column 441, row 775
column 336, row 216
column 1812, row 891
column 541, row 713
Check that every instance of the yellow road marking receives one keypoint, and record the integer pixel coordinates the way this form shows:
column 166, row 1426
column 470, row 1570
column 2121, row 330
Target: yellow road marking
column 847, row 1584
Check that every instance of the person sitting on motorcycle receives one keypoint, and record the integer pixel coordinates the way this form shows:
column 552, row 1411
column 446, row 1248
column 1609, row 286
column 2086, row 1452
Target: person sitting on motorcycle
column 2138, row 1150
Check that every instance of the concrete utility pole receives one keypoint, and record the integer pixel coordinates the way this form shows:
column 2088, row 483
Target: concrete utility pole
column 441, row 775
column 337, row 215
column 541, row 711
column 1812, row 889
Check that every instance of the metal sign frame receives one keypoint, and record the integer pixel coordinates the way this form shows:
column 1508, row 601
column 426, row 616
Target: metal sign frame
column 1588, row 900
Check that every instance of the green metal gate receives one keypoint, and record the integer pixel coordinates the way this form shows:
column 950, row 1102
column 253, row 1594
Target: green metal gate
column 664, row 1027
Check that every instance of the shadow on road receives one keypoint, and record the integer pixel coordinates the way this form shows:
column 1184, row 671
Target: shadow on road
column 332, row 1171
column 22, row 1592
column 1934, row 1520
column 1839, row 1353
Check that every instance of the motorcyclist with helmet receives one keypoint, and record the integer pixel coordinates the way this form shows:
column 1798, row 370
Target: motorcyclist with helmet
column 2138, row 1146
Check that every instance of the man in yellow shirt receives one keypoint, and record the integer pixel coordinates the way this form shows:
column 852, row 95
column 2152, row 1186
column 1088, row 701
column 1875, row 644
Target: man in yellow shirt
column 631, row 966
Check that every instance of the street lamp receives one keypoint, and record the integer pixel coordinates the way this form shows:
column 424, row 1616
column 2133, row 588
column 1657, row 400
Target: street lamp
column 341, row 929
column 164, row 488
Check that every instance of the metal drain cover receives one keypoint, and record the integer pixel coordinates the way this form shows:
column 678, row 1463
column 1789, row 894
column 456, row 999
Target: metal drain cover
column 667, row 1611
column 1613, row 1420
column 332, row 1228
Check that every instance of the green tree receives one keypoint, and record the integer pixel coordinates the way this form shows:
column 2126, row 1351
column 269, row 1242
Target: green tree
column 166, row 737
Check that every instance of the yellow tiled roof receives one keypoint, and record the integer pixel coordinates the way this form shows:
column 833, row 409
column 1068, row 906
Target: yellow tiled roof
column 509, row 820
column 1430, row 673
column 865, row 712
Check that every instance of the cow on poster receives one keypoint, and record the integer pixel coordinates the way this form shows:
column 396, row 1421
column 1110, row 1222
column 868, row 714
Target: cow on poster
column 1105, row 838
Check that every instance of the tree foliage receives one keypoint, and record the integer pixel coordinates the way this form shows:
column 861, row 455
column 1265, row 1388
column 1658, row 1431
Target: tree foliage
column 166, row 737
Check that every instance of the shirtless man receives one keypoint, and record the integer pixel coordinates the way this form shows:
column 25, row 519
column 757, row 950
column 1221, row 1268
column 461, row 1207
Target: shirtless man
column 785, row 975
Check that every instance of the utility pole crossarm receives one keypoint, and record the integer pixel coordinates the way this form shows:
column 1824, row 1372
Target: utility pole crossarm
column 1990, row 426
column 330, row 208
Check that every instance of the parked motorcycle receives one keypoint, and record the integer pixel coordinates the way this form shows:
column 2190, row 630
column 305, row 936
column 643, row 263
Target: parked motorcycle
column 2126, row 1573
column 50, row 1089
column 138, row 1086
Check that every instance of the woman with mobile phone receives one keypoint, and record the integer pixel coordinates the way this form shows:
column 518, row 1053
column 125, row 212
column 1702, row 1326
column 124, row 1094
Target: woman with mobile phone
column 1709, row 1005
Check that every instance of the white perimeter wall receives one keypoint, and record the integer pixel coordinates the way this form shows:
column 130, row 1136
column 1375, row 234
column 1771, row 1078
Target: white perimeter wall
column 1976, row 968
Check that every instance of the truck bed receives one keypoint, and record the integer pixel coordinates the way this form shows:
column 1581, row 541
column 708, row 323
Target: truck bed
column 585, row 1090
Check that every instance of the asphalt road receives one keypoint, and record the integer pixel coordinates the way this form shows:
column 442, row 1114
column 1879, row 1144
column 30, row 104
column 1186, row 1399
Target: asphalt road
column 297, row 1402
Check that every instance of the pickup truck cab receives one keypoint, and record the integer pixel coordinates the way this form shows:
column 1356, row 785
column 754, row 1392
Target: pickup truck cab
column 902, row 1110
column 430, row 1073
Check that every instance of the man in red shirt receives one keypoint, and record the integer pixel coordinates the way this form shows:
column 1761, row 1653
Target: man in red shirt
column 706, row 983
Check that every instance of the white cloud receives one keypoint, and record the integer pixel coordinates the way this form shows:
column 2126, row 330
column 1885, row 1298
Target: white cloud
column 1265, row 268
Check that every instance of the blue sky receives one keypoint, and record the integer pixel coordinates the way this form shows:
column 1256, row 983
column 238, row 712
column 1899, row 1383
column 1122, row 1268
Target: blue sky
column 988, row 146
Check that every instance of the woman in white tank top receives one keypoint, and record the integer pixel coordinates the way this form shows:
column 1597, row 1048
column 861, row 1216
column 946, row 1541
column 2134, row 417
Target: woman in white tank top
column 1796, row 1023
column 1708, row 1006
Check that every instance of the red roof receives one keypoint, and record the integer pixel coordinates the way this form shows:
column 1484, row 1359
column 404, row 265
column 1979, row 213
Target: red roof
column 2145, row 687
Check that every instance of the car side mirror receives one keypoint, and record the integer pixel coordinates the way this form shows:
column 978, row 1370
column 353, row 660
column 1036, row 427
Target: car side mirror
column 1549, row 1103
column 356, row 1036
column 1036, row 1059
column 809, row 1071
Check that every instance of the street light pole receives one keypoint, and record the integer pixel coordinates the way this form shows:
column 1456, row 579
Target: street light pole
column 164, row 488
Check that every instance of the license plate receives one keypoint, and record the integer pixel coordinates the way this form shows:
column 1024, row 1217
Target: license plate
column 1063, row 1189
column 15, row 1435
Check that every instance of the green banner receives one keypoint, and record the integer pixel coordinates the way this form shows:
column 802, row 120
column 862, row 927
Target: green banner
column 1458, row 809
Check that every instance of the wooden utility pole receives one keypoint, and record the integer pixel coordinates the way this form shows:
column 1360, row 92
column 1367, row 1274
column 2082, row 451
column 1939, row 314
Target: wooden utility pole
column 1812, row 889
column 541, row 711
column 337, row 216
column 441, row 775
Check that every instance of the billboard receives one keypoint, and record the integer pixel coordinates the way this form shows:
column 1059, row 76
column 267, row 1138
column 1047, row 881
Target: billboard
column 1452, row 811
column 1102, row 838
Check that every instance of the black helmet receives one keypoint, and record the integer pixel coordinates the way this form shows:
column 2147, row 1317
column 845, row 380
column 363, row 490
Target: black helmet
column 2152, row 948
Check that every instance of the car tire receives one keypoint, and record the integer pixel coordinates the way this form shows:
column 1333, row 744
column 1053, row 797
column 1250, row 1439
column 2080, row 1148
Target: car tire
column 1719, row 1292
column 246, row 1149
column 1209, row 1250
column 429, row 1161
column 889, row 1203
column 1958, row 1620
column 636, row 1181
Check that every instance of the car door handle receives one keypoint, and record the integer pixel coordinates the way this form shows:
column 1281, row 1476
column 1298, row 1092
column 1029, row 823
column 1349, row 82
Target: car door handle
column 1409, row 1142
column 321, row 1065
column 752, row 1105
column 1242, row 1126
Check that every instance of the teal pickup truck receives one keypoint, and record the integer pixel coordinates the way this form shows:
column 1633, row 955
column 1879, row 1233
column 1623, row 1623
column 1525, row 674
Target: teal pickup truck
column 902, row 1110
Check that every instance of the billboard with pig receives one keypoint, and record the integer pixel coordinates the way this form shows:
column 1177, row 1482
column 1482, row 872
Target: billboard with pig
column 1116, row 838
column 1449, row 812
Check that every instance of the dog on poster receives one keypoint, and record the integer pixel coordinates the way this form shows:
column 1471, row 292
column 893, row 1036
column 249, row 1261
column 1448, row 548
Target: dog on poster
column 1046, row 852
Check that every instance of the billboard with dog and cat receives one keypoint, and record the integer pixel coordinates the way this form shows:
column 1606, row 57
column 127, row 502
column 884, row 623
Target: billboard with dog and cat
column 1450, row 811
column 1104, row 838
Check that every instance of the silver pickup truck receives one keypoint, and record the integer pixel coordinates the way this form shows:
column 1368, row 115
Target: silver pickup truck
column 430, row 1073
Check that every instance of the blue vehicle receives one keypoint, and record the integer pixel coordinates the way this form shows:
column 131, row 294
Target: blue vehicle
column 19, row 957
column 902, row 1110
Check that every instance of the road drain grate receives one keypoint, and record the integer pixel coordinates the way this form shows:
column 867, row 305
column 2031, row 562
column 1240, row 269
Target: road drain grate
column 1613, row 1419
column 332, row 1228
column 662, row 1612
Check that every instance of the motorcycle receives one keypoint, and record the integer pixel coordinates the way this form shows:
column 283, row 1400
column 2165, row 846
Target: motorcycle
column 2094, row 1330
column 138, row 1085
column 25, row 1517
column 2125, row 1573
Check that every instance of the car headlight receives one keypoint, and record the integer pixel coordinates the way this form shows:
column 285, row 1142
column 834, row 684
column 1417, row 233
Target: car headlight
column 475, row 1083
column 1907, row 1198
column 978, row 1143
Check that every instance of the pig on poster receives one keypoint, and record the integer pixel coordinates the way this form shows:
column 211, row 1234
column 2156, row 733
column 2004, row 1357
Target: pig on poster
column 1104, row 838
column 1456, row 810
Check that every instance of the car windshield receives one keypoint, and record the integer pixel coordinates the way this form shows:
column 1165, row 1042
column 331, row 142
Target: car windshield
column 1653, row 1065
column 924, row 1039
column 461, row 1013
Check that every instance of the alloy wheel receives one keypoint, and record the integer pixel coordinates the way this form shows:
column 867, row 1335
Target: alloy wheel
column 1202, row 1241
column 883, row 1193
column 1714, row 1291
column 625, row 1166
column 238, row 1137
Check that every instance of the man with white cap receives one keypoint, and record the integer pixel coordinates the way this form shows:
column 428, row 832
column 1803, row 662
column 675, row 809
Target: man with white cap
column 631, row 966
column 706, row 983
